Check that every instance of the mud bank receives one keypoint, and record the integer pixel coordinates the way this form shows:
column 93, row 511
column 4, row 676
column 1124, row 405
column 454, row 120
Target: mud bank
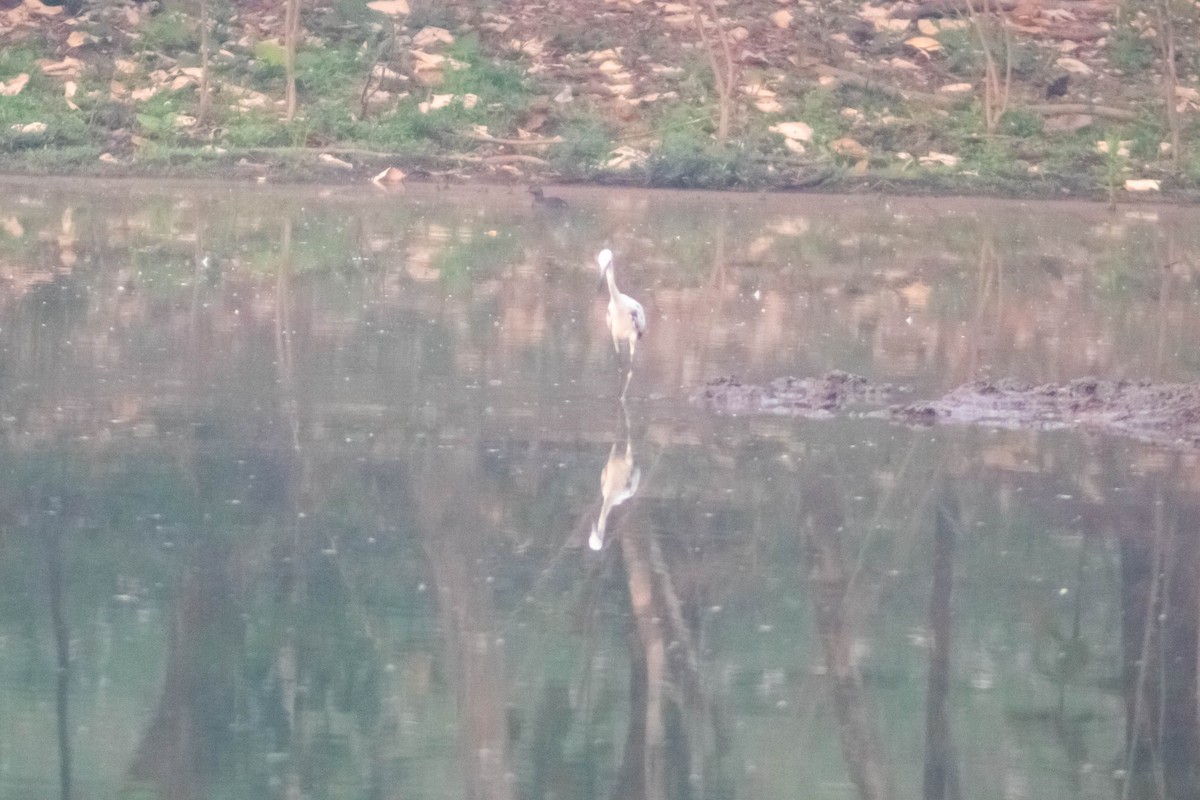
column 801, row 397
column 1164, row 413
column 1167, row 413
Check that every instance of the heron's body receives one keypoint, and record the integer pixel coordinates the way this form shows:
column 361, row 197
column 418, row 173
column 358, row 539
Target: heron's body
column 618, row 483
column 626, row 317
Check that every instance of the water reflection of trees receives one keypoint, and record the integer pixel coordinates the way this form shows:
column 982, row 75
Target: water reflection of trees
column 362, row 472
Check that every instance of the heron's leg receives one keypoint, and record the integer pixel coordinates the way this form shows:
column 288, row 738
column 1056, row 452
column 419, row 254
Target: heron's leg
column 632, row 346
column 616, row 342
column 628, row 378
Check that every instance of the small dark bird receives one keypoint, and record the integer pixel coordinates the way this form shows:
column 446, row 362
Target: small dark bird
column 1057, row 87
column 541, row 201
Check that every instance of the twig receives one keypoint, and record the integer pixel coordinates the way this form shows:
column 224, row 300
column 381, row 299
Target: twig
column 483, row 137
column 864, row 82
column 1119, row 114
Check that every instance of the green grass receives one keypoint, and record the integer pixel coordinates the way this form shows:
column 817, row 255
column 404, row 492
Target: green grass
column 40, row 101
column 171, row 32
column 588, row 139
column 1128, row 51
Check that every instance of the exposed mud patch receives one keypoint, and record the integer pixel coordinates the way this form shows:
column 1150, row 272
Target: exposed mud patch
column 1162, row 413
column 1166, row 413
column 801, row 397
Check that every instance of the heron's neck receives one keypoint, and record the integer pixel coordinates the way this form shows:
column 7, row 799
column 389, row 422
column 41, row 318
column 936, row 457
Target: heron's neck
column 612, row 283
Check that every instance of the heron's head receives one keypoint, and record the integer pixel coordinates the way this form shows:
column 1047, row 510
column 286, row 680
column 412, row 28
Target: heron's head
column 604, row 259
column 596, row 540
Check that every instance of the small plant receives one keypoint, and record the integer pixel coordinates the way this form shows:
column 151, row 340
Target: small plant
column 170, row 33
column 586, row 142
column 1023, row 124
column 962, row 55
column 430, row 13
column 1116, row 157
column 1129, row 51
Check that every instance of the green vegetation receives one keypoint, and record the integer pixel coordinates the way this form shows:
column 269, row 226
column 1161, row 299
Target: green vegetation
column 418, row 90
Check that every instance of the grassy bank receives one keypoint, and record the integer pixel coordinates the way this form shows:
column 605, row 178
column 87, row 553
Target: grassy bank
column 628, row 92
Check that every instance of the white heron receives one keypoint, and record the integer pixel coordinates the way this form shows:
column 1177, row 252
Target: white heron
column 626, row 317
column 618, row 482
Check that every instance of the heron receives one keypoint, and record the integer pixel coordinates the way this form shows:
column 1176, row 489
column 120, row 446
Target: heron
column 626, row 318
column 618, row 482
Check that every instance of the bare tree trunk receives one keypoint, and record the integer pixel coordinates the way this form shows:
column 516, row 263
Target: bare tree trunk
column 1166, row 32
column 941, row 772
column 62, row 649
column 291, row 30
column 995, row 90
column 862, row 746
column 205, row 22
column 723, row 78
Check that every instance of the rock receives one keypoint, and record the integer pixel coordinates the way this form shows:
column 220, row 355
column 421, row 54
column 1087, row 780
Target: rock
column 1074, row 66
column 334, row 161
column 432, row 35
column 956, row 88
column 795, row 131
column 945, row 159
column 14, row 86
column 1142, row 185
column 67, row 68
column 1068, row 123
column 434, row 103
column 851, row 148
column 625, row 157
column 389, row 177
column 782, row 19
column 393, row 8
column 925, row 44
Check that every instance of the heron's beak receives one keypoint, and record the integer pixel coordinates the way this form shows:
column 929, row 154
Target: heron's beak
column 603, row 279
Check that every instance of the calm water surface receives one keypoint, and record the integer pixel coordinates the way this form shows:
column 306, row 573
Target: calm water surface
column 297, row 485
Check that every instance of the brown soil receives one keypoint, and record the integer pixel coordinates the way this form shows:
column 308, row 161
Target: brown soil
column 801, row 397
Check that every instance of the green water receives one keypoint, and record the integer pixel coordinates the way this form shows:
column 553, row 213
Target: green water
column 296, row 487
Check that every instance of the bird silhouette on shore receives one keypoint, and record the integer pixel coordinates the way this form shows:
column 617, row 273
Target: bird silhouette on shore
column 540, row 200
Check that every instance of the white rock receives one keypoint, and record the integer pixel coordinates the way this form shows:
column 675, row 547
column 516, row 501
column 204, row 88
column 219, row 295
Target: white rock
column 793, row 131
column 1074, row 66
column 944, row 159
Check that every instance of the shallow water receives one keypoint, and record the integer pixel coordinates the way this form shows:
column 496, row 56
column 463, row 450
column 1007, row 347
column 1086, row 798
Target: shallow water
column 297, row 487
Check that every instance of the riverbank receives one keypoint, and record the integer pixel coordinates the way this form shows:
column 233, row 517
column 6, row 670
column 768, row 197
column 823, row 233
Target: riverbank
column 1058, row 99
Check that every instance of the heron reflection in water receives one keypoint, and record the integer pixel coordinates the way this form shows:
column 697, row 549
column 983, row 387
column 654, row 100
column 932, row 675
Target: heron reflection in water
column 618, row 482
column 626, row 318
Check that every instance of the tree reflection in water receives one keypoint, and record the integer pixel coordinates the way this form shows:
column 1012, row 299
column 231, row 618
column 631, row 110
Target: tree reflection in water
column 318, row 454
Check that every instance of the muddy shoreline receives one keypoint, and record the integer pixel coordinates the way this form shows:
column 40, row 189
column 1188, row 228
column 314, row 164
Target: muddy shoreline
column 1149, row 411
